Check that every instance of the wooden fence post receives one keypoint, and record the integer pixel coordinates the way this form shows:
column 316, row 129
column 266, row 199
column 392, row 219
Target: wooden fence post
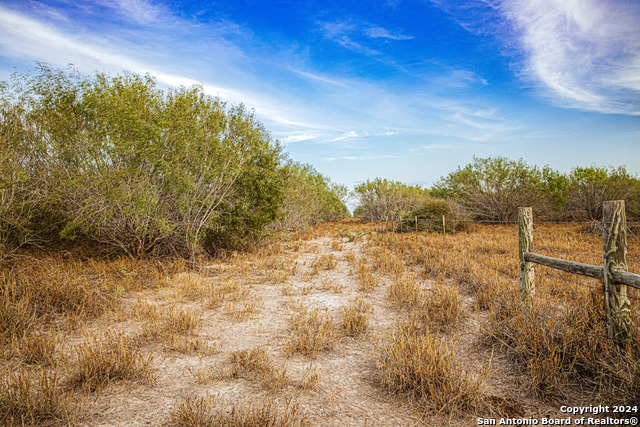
column 444, row 241
column 614, row 246
column 525, row 243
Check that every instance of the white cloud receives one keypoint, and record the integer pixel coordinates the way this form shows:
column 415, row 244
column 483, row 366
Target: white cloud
column 379, row 32
column 376, row 157
column 139, row 11
column 350, row 134
column 298, row 138
column 29, row 39
column 347, row 33
column 586, row 53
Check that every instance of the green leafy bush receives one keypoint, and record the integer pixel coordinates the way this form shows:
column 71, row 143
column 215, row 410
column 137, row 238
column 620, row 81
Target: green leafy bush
column 119, row 162
column 310, row 198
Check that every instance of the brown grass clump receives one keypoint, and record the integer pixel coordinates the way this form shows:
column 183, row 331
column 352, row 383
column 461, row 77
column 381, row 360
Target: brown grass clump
column 112, row 358
column 365, row 277
column 210, row 411
column 311, row 332
column 385, row 261
column 404, row 291
column 331, row 285
column 558, row 347
column 323, row 262
column 193, row 286
column 30, row 397
column 177, row 329
column 336, row 245
column 355, row 316
column 256, row 365
column 38, row 348
column 31, row 290
column 442, row 305
column 424, row 367
column 243, row 310
column 17, row 312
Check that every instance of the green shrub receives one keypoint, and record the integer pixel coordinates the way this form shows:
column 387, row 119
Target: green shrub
column 429, row 217
column 119, row 162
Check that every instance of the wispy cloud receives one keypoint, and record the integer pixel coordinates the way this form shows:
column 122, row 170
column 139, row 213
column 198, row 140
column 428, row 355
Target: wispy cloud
column 346, row 135
column 376, row 157
column 585, row 53
column 353, row 36
column 431, row 147
column 382, row 33
column 140, row 11
column 298, row 137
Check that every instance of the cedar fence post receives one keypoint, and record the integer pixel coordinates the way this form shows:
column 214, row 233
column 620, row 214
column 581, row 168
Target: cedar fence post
column 525, row 243
column 614, row 246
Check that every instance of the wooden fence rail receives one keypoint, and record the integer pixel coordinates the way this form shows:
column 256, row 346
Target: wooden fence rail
column 614, row 272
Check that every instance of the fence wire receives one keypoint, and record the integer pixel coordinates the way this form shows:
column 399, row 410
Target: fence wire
column 502, row 264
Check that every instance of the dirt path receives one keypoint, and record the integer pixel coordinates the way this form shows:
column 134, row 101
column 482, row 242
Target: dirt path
column 331, row 388
column 345, row 393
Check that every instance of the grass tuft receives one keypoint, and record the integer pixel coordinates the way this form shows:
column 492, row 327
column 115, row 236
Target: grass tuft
column 424, row 367
column 31, row 397
column 311, row 332
column 210, row 411
column 355, row 316
column 111, row 358
column 256, row 365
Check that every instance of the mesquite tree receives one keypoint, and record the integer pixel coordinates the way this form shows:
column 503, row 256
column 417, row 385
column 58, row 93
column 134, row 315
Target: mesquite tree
column 118, row 161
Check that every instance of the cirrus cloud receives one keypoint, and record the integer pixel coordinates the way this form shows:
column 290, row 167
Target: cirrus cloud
column 585, row 53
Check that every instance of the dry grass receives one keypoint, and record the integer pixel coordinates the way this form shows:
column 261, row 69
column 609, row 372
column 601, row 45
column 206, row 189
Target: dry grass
column 560, row 344
column 32, row 397
column 176, row 329
column 255, row 364
column 355, row 316
column 385, row 261
column 331, row 285
column 323, row 262
column 425, row 368
column 404, row 291
column 559, row 347
column 212, row 411
column 31, row 290
column 311, row 332
column 368, row 282
column 99, row 361
column 442, row 306
column 243, row 310
column 38, row 348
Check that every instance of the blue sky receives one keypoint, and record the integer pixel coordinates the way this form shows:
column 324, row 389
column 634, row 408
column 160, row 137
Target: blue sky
column 400, row 89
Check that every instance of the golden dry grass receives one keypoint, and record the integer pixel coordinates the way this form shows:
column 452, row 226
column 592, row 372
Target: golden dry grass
column 355, row 316
column 111, row 357
column 33, row 397
column 557, row 347
column 312, row 331
column 425, row 368
column 558, row 343
column 211, row 411
column 255, row 364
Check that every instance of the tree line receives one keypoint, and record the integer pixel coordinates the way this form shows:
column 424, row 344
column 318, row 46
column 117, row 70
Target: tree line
column 493, row 188
column 120, row 164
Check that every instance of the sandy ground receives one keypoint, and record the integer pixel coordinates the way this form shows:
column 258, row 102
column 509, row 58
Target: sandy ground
column 347, row 393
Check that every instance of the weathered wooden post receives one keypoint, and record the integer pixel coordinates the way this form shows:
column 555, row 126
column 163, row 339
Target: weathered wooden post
column 525, row 243
column 614, row 246
column 444, row 240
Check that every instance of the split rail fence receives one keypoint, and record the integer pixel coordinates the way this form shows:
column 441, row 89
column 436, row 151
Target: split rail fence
column 614, row 270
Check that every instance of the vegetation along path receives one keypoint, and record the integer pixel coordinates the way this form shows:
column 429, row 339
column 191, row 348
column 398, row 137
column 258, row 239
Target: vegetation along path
column 344, row 325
